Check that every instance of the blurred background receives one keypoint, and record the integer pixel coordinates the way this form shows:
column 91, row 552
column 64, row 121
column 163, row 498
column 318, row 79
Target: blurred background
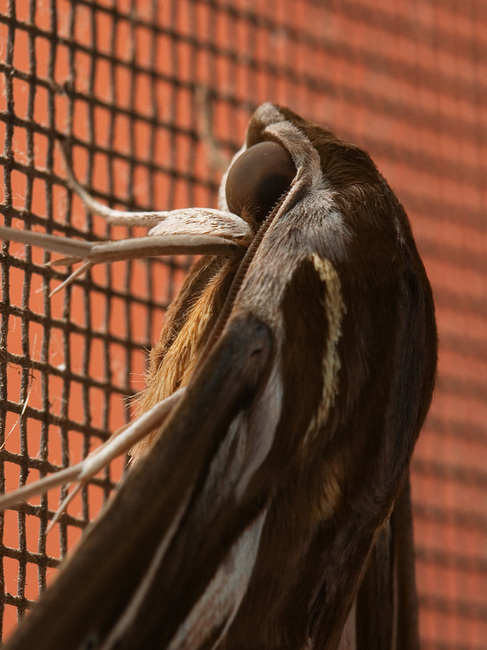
column 137, row 86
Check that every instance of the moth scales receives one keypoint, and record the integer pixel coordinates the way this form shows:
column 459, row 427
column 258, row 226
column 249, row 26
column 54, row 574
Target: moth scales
column 269, row 504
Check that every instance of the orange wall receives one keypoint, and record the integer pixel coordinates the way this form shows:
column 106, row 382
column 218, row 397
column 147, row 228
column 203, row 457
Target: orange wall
column 405, row 80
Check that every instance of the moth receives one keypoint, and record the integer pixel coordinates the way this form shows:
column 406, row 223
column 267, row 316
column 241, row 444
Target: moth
column 268, row 505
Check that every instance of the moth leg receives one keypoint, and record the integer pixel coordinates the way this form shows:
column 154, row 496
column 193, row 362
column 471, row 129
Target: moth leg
column 131, row 434
column 75, row 274
column 81, row 483
column 92, row 205
column 76, row 250
column 92, row 253
column 72, row 248
column 119, row 443
column 187, row 221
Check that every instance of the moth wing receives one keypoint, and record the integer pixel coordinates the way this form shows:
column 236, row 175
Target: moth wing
column 387, row 602
column 163, row 552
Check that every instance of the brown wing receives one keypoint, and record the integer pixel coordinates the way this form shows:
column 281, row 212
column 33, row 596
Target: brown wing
column 172, row 514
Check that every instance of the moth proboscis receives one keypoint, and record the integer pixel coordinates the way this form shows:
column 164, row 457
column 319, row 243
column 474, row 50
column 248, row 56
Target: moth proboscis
column 269, row 504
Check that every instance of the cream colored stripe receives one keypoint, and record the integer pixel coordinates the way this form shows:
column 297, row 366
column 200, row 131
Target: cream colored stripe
column 329, row 493
column 335, row 310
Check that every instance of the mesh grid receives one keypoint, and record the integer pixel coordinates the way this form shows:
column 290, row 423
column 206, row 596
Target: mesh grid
column 131, row 83
column 70, row 361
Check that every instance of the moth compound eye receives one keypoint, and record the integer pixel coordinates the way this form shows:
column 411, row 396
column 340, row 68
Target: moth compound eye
column 258, row 179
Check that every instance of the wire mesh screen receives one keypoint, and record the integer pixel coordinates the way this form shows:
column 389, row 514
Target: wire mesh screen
column 132, row 84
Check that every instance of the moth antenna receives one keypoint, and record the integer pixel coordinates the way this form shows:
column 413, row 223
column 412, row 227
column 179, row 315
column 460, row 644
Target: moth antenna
column 92, row 205
column 119, row 443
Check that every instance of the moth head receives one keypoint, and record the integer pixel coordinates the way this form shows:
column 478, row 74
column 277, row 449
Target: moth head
column 285, row 155
column 258, row 179
column 318, row 178
column 266, row 168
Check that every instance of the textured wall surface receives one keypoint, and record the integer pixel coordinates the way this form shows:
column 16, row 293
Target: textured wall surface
column 134, row 83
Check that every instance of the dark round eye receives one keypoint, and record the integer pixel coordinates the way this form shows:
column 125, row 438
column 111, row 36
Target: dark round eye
column 258, row 179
